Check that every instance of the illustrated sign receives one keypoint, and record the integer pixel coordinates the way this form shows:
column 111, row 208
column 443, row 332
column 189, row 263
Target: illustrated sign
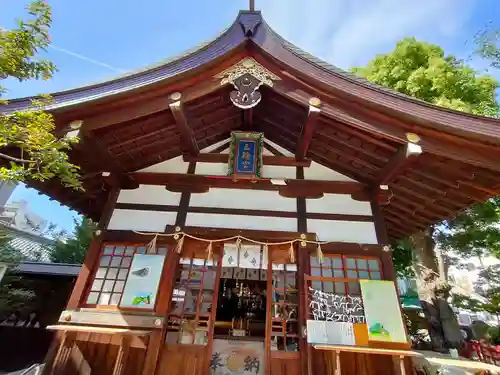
column 245, row 155
column 142, row 283
column 382, row 311
column 335, row 307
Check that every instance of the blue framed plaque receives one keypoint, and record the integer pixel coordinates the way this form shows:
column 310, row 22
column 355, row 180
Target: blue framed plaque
column 245, row 155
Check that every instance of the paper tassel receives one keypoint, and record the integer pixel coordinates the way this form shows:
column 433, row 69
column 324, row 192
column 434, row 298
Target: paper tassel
column 238, row 244
column 319, row 254
column 179, row 245
column 209, row 250
column 151, row 248
column 292, row 253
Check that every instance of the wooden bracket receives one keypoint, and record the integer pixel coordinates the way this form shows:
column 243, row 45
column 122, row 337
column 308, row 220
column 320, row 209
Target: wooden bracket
column 187, row 134
column 307, row 132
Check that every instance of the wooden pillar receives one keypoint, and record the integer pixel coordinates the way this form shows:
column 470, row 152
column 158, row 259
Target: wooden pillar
column 93, row 254
column 180, row 221
column 382, row 238
column 303, row 268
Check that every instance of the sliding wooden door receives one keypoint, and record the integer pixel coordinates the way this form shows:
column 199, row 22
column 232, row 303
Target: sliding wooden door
column 282, row 334
column 189, row 336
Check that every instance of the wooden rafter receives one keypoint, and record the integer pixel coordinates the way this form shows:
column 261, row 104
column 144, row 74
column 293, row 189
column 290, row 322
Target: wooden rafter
column 187, row 134
column 308, row 128
column 406, row 155
column 358, row 118
column 248, row 119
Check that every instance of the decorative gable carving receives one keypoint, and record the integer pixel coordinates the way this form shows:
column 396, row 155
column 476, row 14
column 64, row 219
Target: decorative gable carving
column 247, row 76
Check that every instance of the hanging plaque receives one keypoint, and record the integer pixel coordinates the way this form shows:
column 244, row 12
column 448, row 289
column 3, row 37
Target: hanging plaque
column 245, row 155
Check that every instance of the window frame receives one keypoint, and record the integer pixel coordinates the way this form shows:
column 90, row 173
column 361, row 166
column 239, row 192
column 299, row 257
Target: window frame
column 345, row 279
column 97, row 266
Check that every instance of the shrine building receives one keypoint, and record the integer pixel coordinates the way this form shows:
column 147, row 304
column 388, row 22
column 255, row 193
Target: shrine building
column 247, row 195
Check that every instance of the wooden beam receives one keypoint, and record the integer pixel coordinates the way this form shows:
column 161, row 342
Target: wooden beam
column 187, row 134
column 248, row 119
column 227, row 182
column 403, row 158
column 308, row 128
column 283, row 161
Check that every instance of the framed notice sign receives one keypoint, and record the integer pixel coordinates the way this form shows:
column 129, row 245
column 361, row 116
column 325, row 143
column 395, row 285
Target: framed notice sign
column 245, row 155
column 142, row 283
column 382, row 311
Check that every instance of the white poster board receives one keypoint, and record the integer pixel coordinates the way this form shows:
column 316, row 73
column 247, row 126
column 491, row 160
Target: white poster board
column 382, row 311
column 142, row 283
column 330, row 333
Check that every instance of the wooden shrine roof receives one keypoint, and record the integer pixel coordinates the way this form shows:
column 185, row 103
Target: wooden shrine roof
column 361, row 130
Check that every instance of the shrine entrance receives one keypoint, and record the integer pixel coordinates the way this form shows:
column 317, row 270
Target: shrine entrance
column 226, row 318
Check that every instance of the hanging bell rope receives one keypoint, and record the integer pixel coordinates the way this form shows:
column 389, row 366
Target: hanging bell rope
column 180, row 243
column 319, row 254
column 209, row 251
column 291, row 252
column 151, row 247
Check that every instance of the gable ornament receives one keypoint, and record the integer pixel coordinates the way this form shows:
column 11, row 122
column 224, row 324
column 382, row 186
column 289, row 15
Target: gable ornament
column 247, row 76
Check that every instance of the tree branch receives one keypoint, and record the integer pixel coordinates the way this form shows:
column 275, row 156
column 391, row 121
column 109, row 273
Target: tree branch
column 11, row 158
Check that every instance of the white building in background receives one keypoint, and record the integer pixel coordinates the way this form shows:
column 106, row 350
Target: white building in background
column 464, row 280
column 26, row 229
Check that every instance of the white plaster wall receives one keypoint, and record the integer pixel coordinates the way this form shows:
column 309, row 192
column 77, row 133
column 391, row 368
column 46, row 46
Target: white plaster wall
column 338, row 204
column 279, row 172
column 243, row 199
column 265, row 151
column 147, row 221
column 277, row 147
column 150, row 194
column 175, row 165
column 319, row 172
column 211, row 169
column 215, row 145
column 343, row 231
column 241, row 222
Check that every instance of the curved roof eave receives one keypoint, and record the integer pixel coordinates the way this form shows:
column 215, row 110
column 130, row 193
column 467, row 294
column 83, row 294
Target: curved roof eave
column 250, row 25
column 191, row 59
column 332, row 77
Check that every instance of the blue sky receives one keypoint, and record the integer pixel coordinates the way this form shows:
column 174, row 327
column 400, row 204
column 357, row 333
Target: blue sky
column 95, row 40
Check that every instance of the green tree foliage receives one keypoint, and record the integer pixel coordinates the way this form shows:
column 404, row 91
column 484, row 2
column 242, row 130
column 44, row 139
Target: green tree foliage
column 30, row 150
column 423, row 71
column 474, row 232
column 488, row 45
column 73, row 250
